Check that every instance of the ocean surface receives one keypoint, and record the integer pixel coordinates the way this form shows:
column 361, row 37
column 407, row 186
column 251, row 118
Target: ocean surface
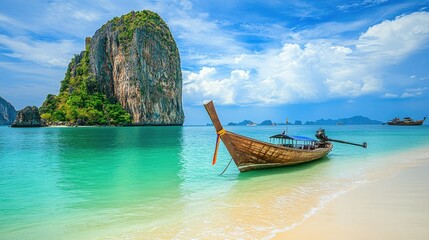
column 158, row 182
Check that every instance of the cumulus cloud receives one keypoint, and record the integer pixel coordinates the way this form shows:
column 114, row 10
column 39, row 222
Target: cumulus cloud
column 294, row 73
column 204, row 82
column 318, row 70
column 391, row 40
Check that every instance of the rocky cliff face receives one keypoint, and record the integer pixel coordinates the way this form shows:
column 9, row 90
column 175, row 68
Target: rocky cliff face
column 7, row 112
column 28, row 117
column 136, row 62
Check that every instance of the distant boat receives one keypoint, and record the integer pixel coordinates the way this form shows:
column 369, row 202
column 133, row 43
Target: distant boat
column 406, row 122
column 251, row 124
column 249, row 154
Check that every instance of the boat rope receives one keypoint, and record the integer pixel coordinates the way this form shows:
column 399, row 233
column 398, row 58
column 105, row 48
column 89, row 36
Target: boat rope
column 226, row 166
column 219, row 133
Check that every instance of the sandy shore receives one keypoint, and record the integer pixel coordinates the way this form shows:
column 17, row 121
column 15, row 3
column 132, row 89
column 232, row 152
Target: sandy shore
column 393, row 207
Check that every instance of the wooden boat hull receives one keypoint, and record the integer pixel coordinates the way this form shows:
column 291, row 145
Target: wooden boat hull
column 249, row 154
column 415, row 123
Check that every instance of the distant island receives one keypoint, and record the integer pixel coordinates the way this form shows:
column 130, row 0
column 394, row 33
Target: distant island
column 356, row 120
column 251, row 123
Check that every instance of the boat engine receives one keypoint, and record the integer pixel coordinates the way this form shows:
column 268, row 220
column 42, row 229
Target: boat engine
column 320, row 134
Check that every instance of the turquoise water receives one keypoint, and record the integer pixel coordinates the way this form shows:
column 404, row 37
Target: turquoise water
column 158, row 182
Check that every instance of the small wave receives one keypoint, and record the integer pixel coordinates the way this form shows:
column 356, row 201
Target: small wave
column 322, row 203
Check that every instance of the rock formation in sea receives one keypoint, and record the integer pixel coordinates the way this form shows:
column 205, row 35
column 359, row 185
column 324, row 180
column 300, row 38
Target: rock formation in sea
column 7, row 112
column 132, row 62
column 28, row 117
column 136, row 62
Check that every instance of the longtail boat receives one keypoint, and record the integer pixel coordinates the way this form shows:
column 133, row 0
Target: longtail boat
column 250, row 154
column 407, row 121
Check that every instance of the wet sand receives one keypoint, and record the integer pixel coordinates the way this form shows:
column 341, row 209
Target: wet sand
column 392, row 207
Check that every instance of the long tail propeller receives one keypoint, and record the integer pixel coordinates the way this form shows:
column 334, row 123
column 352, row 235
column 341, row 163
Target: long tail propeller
column 320, row 134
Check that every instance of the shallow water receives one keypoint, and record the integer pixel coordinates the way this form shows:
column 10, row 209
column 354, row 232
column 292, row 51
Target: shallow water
column 158, row 182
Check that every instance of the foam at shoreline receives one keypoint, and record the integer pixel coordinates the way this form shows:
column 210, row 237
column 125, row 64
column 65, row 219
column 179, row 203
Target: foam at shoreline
column 402, row 168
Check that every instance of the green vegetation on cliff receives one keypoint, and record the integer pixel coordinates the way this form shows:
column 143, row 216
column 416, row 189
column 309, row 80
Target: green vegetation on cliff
column 151, row 22
column 79, row 100
column 129, row 73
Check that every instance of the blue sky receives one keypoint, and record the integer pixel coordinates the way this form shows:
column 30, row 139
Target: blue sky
column 258, row 60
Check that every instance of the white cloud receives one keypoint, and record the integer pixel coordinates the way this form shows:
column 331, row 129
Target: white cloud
column 237, row 60
column 408, row 93
column 204, row 73
column 329, row 30
column 293, row 74
column 359, row 4
column 85, row 15
column 392, row 40
column 203, row 40
column 201, row 35
column 8, row 21
column 390, row 95
column 321, row 69
column 186, row 4
column 70, row 10
column 44, row 53
column 205, row 82
column 34, row 72
column 419, row 89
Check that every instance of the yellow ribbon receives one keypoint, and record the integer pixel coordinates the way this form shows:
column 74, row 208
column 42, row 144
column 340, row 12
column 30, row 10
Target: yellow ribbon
column 219, row 133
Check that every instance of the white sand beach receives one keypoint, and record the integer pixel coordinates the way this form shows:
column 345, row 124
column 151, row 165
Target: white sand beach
column 395, row 206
